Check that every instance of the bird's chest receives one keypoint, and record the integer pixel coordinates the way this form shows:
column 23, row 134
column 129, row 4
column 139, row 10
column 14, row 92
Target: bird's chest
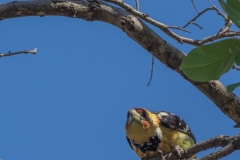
column 150, row 145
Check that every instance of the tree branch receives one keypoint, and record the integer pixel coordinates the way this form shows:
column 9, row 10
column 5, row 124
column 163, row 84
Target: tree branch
column 195, row 6
column 165, row 28
column 235, row 67
column 205, row 10
column 228, row 144
column 19, row 52
column 228, row 103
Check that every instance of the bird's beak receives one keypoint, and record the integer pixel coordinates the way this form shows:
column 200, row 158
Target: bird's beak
column 133, row 115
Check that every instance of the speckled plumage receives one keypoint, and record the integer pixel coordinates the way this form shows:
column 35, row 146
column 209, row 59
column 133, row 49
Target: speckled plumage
column 147, row 132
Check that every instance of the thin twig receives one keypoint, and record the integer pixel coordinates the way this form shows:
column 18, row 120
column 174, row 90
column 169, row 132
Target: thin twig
column 196, row 25
column 165, row 28
column 137, row 5
column 199, row 14
column 235, row 67
column 220, row 13
column 151, row 72
column 226, row 29
column 210, row 2
column 19, row 52
column 227, row 24
column 207, row 9
column 179, row 28
column 220, row 153
column 194, row 6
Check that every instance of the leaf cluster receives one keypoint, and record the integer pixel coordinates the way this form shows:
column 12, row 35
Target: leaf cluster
column 209, row 62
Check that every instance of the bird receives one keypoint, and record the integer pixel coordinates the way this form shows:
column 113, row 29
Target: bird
column 149, row 133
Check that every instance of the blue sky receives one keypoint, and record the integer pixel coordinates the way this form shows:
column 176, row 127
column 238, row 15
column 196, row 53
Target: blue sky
column 69, row 101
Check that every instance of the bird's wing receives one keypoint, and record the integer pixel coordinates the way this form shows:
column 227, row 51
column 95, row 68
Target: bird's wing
column 172, row 121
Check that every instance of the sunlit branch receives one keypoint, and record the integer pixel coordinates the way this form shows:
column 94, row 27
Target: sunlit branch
column 19, row 52
column 165, row 28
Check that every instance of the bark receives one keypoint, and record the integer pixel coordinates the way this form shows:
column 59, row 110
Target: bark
column 228, row 144
column 93, row 10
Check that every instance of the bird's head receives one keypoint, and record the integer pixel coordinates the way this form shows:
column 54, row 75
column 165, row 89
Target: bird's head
column 141, row 124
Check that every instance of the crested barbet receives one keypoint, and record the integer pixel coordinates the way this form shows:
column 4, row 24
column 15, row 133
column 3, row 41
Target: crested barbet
column 150, row 133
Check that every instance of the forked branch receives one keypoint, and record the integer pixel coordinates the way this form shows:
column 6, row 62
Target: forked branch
column 228, row 144
column 224, row 32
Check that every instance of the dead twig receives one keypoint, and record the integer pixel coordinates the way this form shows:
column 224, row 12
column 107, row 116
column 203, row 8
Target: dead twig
column 210, row 2
column 235, row 67
column 19, row 52
column 194, row 6
column 175, row 36
column 228, row 144
column 151, row 75
column 196, row 25
column 137, row 5
column 199, row 14
column 179, row 28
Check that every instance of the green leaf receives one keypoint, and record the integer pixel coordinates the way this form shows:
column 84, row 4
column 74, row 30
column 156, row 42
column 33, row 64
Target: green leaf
column 232, row 8
column 209, row 62
column 222, row 3
column 232, row 87
column 237, row 58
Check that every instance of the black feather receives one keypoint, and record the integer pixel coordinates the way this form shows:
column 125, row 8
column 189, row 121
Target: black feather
column 129, row 142
column 172, row 121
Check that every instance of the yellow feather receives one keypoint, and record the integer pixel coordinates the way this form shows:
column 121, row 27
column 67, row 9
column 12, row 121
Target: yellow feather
column 141, row 132
column 172, row 138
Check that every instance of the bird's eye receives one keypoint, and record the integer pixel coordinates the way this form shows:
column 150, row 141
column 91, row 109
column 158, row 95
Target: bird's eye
column 139, row 111
column 144, row 114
